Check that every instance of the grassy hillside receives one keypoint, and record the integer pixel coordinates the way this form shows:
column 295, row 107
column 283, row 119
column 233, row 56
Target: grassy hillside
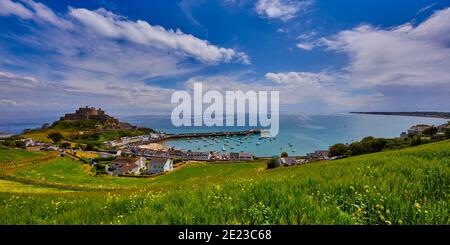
column 408, row 186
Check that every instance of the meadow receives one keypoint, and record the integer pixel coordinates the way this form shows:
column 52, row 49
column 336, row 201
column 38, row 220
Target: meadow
column 408, row 186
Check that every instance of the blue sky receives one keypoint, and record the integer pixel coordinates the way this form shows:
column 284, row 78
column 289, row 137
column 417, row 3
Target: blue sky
column 130, row 56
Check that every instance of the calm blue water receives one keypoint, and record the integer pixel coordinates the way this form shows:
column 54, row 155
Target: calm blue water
column 304, row 133
column 298, row 134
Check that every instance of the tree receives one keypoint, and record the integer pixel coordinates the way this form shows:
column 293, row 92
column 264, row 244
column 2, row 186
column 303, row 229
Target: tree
column 65, row 145
column 55, row 137
column 355, row 148
column 447, row 133
column 284, row 154
column 417, row 140
column 19, row 144
column 338, row 150
column 430, row 131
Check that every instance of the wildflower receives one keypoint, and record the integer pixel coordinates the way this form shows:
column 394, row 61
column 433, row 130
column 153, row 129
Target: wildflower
column 417, row 205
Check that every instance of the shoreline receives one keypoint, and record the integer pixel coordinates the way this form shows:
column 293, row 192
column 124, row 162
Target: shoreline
column 427, row 114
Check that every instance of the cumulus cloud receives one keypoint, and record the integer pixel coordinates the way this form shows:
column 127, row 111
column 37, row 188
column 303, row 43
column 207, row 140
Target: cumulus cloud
column 305, row 46
column 109, row 25
column 298, row 90
column 281, row 9
column 405, row 55
column 88, row 59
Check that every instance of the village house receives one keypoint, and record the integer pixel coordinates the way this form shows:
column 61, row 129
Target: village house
column 245, row 156
column 28, row 142
column 159, row 165
column 124, row 166
column 418, row 129
column 198, row 156
column 318, row 155
column 287, row 161
column 234, row 156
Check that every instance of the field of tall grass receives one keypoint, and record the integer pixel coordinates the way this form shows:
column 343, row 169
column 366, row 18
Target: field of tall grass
column 408, row 186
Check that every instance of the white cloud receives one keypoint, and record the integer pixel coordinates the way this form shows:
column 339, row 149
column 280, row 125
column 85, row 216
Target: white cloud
column 305, row 46
column 301, row 90
column 109, row 25
column 8, row 7
column 43, row 14
column 6, row 102
column 281, row 9
column 36, row 11
column 100, row 58
column 404, row 55
column 307, row 41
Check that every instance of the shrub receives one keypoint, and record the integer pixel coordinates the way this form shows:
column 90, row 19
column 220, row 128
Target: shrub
column 447, row 133
column 55, row 137
column 284, row 154
column 272, row 163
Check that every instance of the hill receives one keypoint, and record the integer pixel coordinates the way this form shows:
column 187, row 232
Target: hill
column 408, row 186
column 88, row 125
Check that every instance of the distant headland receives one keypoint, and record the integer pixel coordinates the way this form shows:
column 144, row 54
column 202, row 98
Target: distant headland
column 434, row 114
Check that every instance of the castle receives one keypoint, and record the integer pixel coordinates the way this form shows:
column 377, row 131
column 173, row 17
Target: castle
column 87, row 113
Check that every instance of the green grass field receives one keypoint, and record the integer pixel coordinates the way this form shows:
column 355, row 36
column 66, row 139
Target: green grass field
column 9, row 155
column 408, row 186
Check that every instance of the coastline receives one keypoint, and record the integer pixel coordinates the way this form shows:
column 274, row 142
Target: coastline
column 427, row 114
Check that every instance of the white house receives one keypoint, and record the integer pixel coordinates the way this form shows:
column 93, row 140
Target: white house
column 28, row 142
column 159, row 165
column 124, row 165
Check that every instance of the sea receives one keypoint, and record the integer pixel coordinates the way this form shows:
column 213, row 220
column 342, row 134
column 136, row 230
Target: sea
column 298, row 134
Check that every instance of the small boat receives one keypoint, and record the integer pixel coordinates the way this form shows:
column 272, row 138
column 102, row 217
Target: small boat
column 258, row 143
column 290, row 145
column 223, row 148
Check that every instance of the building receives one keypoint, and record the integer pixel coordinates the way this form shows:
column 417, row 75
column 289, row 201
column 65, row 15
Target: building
column 287, row 161
column 403, row 135
column 198, row 156
column 124, row 166
column 418, row 129
column 245, row 156
column 318, row 155
column 159, row 165
column 87, row 113
column 28, row 142
column 234, row 156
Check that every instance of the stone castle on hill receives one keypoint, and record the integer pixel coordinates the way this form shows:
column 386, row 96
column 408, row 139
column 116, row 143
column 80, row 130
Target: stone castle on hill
column 88, row 113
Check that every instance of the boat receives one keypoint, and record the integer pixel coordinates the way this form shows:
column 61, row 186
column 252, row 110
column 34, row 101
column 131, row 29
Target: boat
column 258, row 143
column 223, row 148
column 290, row 145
